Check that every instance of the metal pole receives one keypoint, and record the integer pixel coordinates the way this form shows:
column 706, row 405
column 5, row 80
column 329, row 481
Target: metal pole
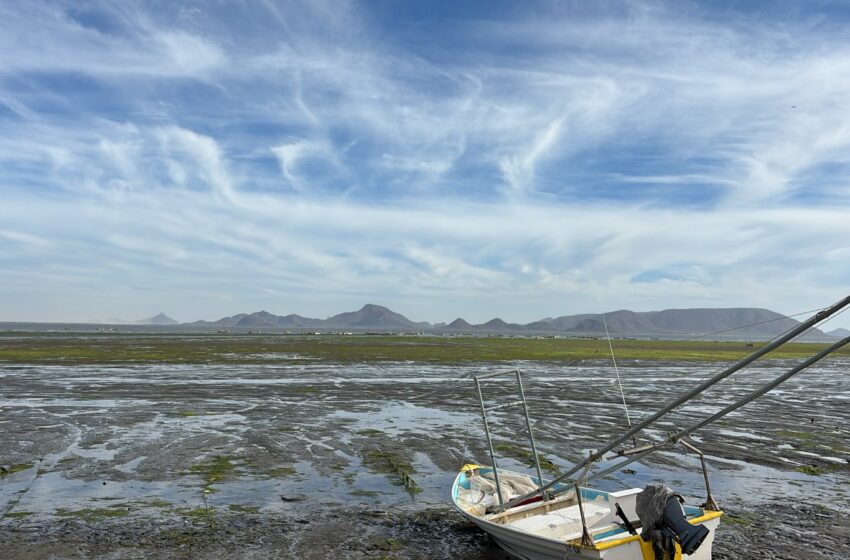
column 802, row 327
column 731, row 408
column 489, row 442
column 586, row 539
column 764, row 389
column 709, row 499
column 528, row 425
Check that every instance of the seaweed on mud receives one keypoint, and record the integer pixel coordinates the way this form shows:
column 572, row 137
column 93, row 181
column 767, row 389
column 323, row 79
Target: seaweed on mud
column 370, row 432
column 94, row 514
column 204, row 513
column 527, row 456
column 12, row 469
column 364, row 493
column 214, row 470
column 157, row 503
column 390, row 463
column 280, row 472
column 743, row 518
column 811, row 470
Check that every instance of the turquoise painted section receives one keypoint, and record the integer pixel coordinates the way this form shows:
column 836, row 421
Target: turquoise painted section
column 455, row 486
column 610, row 533
column 586, row 493
column 693, row 511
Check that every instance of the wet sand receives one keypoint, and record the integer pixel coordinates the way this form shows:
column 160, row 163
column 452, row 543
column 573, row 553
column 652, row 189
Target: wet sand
column 314, row 459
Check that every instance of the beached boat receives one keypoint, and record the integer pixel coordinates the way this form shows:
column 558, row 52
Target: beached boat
column 563, row 519
column 553, row 530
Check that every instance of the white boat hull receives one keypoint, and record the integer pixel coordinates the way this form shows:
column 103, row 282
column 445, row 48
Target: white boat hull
column 608, row 544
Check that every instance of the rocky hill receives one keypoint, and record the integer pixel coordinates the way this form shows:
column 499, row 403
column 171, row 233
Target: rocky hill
column 733, row 323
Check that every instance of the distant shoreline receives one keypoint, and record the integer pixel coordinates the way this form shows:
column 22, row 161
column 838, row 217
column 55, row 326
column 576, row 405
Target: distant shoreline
column 162, row 345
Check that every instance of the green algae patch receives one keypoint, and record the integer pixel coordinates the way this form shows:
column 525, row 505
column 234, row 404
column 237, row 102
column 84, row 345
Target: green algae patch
column 528, row 457
column 239, row 508
column 364, row 493
column 738, row 519
column 159, row 504
column 187, row 413
column 392, row 464
column 214, row 470
column 206, row 514
column 280, row 472
column 796, row 434
column 12, row 469
column 810, row 470
column 17, row 514
column 369, row 432
column 94, row 514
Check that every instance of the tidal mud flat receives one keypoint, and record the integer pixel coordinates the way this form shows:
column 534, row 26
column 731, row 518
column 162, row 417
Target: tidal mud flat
column 288, row 455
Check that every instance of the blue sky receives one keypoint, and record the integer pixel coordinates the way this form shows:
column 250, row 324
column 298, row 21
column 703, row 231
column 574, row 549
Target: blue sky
column 445, row 159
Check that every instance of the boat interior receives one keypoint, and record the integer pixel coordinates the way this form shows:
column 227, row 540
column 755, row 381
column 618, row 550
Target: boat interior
column 558, row 518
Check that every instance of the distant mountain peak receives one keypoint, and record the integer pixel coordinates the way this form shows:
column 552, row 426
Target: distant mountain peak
column 373, row 316
column 373, row 307
column 459, row 324
column 159, row 319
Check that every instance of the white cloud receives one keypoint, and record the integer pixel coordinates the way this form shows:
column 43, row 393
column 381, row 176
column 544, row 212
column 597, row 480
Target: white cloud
column 291, row 156
column 44, row 37
column 419, row 175
column 190, row 54
column 205, row 153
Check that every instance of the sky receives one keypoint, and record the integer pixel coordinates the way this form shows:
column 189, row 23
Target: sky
column 445, row 159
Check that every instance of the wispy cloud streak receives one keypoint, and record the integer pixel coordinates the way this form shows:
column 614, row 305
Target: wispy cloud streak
column 211, row 159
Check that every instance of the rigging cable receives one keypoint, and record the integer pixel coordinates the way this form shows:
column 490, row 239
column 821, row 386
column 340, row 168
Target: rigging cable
column 617, row 370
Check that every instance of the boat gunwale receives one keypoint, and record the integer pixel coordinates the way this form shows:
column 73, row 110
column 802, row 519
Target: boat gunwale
column 708, row 515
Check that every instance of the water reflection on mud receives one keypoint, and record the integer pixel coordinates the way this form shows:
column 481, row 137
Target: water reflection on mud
column 169, row 440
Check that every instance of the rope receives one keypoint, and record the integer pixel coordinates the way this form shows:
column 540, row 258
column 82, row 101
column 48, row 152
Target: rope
column 828, row 319
column 702, row 335
column 617, row 370
column 465, row 453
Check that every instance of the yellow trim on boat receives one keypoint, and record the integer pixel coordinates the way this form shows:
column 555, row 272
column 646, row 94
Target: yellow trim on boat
column 707, row 516
column 648, row 554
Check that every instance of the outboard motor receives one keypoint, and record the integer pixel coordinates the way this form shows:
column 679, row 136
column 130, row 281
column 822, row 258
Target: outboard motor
column 689, row 536
column 664, row 522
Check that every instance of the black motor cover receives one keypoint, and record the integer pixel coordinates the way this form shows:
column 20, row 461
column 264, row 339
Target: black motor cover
column 690, row 537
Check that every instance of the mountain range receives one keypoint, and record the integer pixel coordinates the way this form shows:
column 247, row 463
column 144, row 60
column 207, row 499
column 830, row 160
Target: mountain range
column 737, row 323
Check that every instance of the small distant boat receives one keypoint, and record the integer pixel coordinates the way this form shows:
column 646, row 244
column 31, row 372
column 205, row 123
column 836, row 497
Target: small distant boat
column 562, row 519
